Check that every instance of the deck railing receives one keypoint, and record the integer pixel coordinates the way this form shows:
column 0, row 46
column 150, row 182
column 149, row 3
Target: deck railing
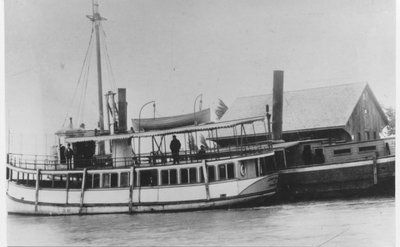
column 48, row 162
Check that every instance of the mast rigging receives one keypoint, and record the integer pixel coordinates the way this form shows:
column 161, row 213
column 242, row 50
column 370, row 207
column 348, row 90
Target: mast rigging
column 96, row 18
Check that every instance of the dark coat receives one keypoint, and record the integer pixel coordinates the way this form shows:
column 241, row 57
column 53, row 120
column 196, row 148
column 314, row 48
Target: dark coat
column 175, row 146
column 68, row 153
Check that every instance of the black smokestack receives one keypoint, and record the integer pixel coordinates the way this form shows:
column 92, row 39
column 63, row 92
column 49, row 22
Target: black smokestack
column 122, row 110
column 277, row 105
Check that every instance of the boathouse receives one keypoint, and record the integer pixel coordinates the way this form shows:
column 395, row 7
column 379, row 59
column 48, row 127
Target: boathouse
column 342, row 112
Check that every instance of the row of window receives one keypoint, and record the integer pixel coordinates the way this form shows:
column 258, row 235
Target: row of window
column 186, row 175
column 248, row 168
column 348, row 150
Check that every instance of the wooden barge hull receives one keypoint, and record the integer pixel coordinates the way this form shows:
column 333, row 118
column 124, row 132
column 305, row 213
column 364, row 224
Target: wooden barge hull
column 327, row 179
column 23, row 199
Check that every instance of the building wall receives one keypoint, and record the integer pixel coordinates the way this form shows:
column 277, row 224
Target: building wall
column 366, row 122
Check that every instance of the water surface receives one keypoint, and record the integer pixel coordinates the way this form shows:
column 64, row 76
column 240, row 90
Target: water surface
column 351, row 222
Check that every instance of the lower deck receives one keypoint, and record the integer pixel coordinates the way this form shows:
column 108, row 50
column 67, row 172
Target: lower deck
column 137, row 189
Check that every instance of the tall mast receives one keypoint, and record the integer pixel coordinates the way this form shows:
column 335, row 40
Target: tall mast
column 97, row 18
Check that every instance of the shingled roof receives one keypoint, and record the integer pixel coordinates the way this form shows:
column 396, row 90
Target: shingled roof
column 307, row 109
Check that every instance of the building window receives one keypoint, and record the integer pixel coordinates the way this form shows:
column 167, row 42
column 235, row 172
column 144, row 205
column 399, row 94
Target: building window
column 367, row 135
column 359, row 136
column 375, row 135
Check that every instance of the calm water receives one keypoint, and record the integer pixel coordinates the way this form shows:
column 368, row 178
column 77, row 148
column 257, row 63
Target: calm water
column 351, row 222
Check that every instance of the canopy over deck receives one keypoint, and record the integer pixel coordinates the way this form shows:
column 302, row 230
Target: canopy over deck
column 186, row 129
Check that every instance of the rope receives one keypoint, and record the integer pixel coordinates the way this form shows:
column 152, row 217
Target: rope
column 83, row 96
column 108, row 61
column 79, row 78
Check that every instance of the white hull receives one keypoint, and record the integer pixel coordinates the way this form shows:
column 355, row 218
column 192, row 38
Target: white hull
column 22, row 199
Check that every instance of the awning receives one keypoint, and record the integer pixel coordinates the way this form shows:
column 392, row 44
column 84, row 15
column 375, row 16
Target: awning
column 186, row 129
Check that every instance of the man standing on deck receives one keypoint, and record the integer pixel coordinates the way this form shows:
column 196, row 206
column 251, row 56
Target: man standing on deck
column 175, row 145
column 68, row 155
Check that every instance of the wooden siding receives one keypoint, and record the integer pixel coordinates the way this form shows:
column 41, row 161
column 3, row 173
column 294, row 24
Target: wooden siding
column 294, row 155
column 366, row 118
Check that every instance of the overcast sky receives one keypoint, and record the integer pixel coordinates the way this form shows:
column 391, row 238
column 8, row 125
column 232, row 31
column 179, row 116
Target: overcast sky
column 170, row 51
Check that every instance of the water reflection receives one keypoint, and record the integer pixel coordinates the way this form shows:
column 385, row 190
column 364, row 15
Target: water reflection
column 354, row 222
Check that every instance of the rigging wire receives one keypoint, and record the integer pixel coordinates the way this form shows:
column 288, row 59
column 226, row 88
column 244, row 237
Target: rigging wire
column 113, row 84
column 83, row 96
column 79, row 78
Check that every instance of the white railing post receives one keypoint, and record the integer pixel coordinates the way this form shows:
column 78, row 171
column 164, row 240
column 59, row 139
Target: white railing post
column 37, row 189
column 132, row 180
column 205, row 174
column 82, row 190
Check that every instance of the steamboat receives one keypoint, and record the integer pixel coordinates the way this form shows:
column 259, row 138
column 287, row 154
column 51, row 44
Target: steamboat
column 111, row 171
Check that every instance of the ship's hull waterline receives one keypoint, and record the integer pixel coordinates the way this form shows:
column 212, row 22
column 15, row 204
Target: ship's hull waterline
column 337, row 178
column 22, row 199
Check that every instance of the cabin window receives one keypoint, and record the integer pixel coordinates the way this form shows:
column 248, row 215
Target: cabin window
column 367, row 148
column 173, row 178
column 319, row 157
column 114, row 180
column 230, row 170
column 193, row 175
column 257, row 170
column 307, row 154
column 359, row 136
column 106, row 180
column 124, row 179
column 222, row 172
column 96, row 181
column 168, row 177
column 164, row 177
column 280, row 159
column 367, row 135
column 375, row 135
column 148, row 177
column 201, row 175
column 342, row 151
column 211, row 173
column 263, row 167
column 184, row 176
column 271, row 165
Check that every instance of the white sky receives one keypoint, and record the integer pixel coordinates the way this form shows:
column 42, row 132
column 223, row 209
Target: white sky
column 173, row 50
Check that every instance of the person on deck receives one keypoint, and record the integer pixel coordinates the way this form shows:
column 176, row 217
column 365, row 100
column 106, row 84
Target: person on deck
column 62, row 154
column 201, row 153
column 175, row 145
column 68, row 155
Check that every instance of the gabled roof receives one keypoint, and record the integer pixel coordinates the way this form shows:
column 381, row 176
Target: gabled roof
column 307, row 109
